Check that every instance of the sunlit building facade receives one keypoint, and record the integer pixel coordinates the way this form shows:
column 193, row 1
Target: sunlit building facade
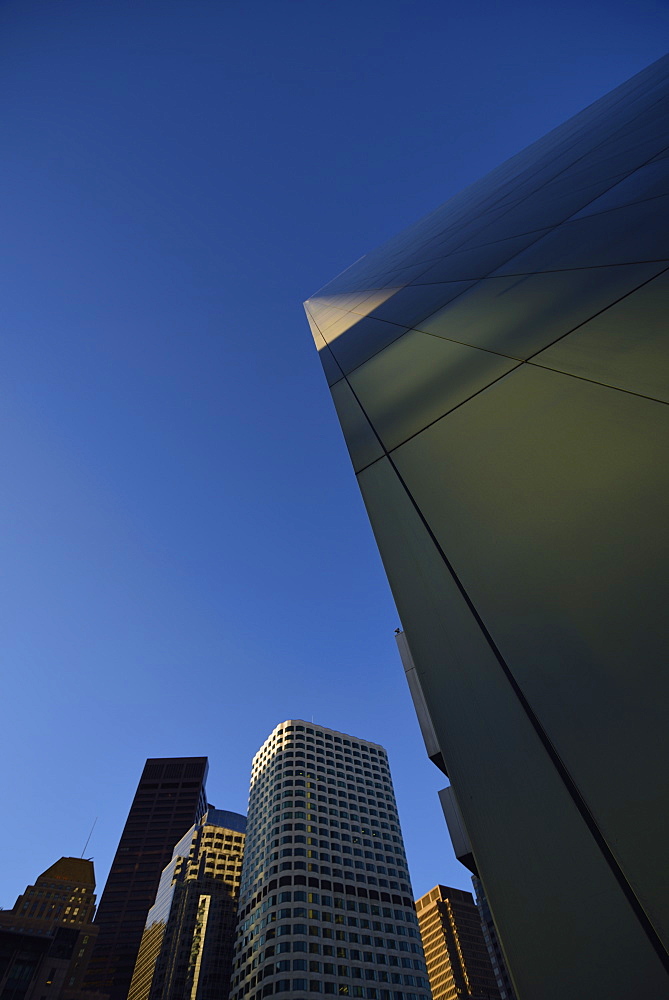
column 187, row 945
column 499, row 370
column 326, row 904
column 458, row 963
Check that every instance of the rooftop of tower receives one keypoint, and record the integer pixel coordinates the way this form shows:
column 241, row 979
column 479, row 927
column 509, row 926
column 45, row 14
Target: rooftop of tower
column 225, row 819
column 79, row 871
column 312, row 727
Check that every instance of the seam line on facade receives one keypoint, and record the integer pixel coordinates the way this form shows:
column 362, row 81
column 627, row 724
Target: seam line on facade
column 548, row 270
column 515, row 204
column 550, row 748
column 499, row 354
column 387, row 452
column 595, row 315
column 560, row 766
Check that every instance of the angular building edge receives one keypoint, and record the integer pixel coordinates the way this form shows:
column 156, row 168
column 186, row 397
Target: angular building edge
column 496, row 370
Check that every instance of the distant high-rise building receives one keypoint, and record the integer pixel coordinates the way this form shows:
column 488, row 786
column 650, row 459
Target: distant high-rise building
column 499, row 370
column 46, row 939
column 169, row 799
column 326, row 902
column 187, row 945
column 458, row 963
column 497, row 960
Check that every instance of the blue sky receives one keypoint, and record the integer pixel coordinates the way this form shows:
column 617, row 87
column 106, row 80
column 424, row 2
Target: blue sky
column 186, row 558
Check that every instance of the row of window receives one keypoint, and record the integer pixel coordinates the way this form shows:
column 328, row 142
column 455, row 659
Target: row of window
column 367, row 878
column 340, row 813
column 64, row 894
column 310, row 852
column 316, row 753
column 328, row 950
column 282, row 765
column 339, row 950
column 292, row 749
column 356, row 872
column 333, row 834
column 349, row 972
column 372, row 837
column 338, row 810
column 295, row 776
column 335, row 797
column 302, row 747
column 257, row 858
column 339, row 903
column 337, row 989
column 309, row 781
column 318, row 735
column 339, row 935
column 56, row 885
column 362, row 906
column 330, row 835
column 367, row 866
column 283, row 758
column 338, row 919
column 312, row 752
column 52, row 910
column 327, row 968
column 351, row 937
column 381, row 802
column 285, row 767
column 300, row 803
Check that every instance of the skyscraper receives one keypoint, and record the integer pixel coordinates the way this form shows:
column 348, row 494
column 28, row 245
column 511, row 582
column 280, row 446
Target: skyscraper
column 497, row 960
column 458, row 963
column 498, row 371
column 48, row 933
column 187, row 945
column 169, row 799
column 325, row 902
column 63, row 894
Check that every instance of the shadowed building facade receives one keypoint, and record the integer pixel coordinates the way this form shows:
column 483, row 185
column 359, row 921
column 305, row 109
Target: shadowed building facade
column 458, row 963
column 46, row 939
column 325, row 904
column 497, row 960
column 187, row 945
column 169, row 799
column 499, row 371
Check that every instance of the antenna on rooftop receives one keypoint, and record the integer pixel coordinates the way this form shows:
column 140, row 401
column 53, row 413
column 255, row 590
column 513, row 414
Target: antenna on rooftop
column 89, row 836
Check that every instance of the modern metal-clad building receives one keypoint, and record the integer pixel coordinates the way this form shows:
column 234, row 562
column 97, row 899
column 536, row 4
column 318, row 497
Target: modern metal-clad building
column 325, row 904
column 500, row 373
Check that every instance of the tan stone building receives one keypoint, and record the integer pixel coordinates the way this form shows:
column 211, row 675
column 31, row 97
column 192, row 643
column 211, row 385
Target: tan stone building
column 48, row 935
column 458, row 964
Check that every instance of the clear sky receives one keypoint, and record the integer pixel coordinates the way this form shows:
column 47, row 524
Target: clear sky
column 186, row 560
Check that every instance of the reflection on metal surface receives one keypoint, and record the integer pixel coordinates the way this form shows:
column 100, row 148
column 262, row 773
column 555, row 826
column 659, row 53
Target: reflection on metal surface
column 500, row 390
